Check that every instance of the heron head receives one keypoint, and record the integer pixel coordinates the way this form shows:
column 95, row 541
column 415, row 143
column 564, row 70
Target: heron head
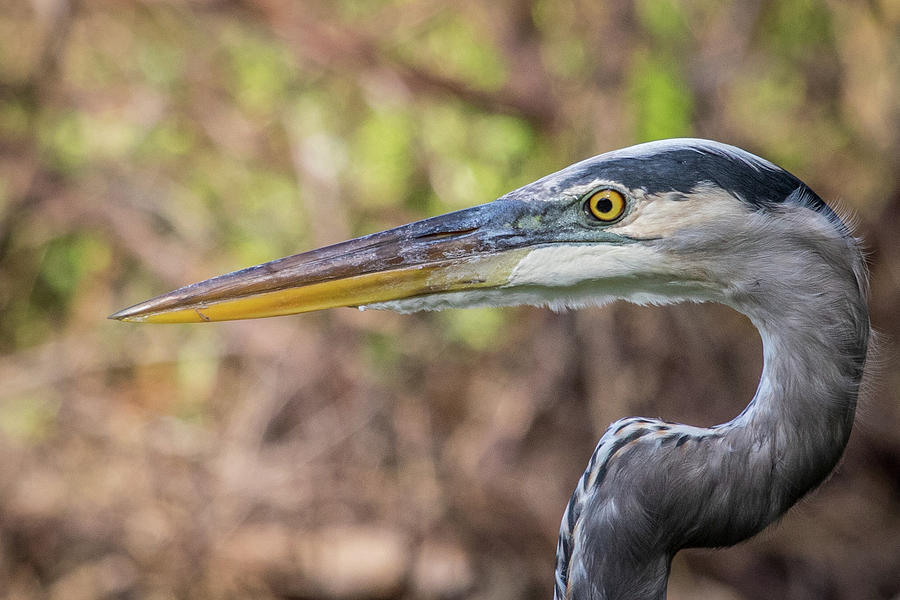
column 659, row 222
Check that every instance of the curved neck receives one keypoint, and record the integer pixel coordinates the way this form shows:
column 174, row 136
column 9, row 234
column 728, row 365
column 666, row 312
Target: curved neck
column 653, row 488
column 800, row 418
column 814, row 325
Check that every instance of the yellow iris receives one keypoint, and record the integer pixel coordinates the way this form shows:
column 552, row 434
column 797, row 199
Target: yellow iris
column 606, row 205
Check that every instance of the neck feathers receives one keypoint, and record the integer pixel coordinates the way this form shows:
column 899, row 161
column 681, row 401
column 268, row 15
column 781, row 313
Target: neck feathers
column 652, row 488
column 814, row 326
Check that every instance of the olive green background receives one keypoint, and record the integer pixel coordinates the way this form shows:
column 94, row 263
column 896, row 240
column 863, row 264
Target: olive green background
column 146, row 145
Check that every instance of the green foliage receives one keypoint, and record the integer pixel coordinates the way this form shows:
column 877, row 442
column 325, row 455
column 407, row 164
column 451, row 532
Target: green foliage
column 196, row 374
column 72, row 141
column 167, row 141
column 160, row 62
column 28, row 418
column 62, row 138
column 568, row 58
column 356, row 10
column 260, row 71
column 455, row 48
column 554, row 16
column 69, row 260
column 382, row 352
column 382, row 157
column 661, row 99
column 271, row 221
column 798, row 29
column 664, row 20
column 503, row 138
column 566, row 54
column 46, row 281
column 473, row 157
column 14, row 120
column 474, row 328
column 777, row 93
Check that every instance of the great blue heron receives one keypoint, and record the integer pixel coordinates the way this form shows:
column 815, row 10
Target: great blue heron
column 656, row 223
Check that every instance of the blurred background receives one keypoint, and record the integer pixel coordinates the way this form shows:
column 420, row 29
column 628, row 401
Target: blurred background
column 148, row 144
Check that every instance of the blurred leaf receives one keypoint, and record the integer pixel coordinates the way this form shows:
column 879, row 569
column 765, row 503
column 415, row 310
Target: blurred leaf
column 664, row 20
column 797, row 29
column 167, row 141
column 474, row 328
column 453, row 47
column 382, row 351
column 501, row 138
column 28, row 418
column 662, row 100
column 261, row 212
column 197, row 370
column 354, row 10
column 14, row 119
column 382, row 158
column 567, row 58
column 317, row 110
column 552, row 16
column 261, row 70
column 444, row 128
column 69, row 260
column 778, row 93
column 160, row 63
column 472, row 156
column 72, row 141
column 62, row 138
column 4, row 198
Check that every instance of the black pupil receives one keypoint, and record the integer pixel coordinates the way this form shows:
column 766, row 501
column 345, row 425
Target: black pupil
column 603, row 205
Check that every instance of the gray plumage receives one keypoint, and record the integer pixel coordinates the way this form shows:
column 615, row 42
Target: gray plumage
column 668, row 221
column 653, row 488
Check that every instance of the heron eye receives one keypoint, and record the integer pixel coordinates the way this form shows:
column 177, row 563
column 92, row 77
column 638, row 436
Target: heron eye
column 605, row 205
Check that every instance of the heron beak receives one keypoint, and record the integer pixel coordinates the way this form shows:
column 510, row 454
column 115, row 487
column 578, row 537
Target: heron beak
column 469, row 249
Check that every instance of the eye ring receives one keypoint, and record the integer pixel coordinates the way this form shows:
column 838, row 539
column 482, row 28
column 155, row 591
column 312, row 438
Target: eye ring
column 605, row 205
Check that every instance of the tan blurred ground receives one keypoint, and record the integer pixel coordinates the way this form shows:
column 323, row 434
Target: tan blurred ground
column 145, row 145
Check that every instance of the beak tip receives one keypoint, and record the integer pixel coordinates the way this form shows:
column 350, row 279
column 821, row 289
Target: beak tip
column 160, row 310
column 138, row 313
column 126, row 314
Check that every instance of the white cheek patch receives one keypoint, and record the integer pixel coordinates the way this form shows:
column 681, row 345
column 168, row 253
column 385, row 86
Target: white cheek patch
column 576, row 275
column 661, row 216
column 552, row 276
column 564, row 276
column 569, row 265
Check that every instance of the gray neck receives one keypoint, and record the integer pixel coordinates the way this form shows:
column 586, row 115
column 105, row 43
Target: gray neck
column 798, row 423
column 668, row 487
column 814, row 326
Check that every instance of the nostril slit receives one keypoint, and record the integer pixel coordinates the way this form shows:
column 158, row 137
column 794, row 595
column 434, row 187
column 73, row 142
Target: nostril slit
column 437, row 235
